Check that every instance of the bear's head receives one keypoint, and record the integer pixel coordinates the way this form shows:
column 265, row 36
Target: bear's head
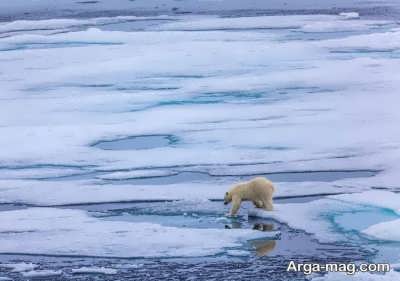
column 227, row 198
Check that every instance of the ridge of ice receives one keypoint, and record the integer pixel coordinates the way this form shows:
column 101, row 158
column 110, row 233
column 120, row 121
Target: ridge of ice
column 41, row 273
column 350, row 15
column 19, row 267
column 94, row 269
column 31, row 25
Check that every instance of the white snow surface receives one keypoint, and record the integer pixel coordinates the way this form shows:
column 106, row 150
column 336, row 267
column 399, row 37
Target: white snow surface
column 238, row 253
column 41, row 273
column 37, row 173
column 305, row 23
column 382, row 199
column 74, row 232
column 389, row 231
column 260, row 96
column 94, row 269
column 24, row 26
column 312, row 216
column 136, row 174
column 350, row 15
column 112, row 91
column 19, row 267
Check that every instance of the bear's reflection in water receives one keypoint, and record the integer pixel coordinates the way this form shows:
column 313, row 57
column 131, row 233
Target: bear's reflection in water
column 256, row 226
column 262, row 247
column 263, row 226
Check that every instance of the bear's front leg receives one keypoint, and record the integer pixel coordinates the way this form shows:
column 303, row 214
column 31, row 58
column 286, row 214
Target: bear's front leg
column 235, row 205
column 268, row 205
column 258, row 203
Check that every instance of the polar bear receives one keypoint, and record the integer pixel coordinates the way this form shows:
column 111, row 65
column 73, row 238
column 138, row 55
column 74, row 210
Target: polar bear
column 258, row 190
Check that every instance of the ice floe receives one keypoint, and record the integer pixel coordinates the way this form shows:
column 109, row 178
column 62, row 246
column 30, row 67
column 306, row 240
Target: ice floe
column 382, row 199
column 238, row 253
column 37, row 173
column 319, row 217
column 313, row 23
column 94, row 270
column 65, row 24
column 136, row 174
column 379, row 42
column 74, row 233
column 389, row 231
column 19, row 267
column 41, row 273
column 310, row 217
column 350, row 15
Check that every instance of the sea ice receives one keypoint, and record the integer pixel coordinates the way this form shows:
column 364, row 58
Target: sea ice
column 41, row 273
column 350, row 15
column 94, row 270
column 73, row 232
column 19, row 267
column 382, row 199
column 24, row 26
column 310, row 217
column 136, row 174
column 255, row 94
column 238, row 253
column 316, row 216
column 389, row 230
column 306, row 23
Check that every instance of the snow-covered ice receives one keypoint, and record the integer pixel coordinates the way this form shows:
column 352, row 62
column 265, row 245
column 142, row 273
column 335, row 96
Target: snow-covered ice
column 385, row 230
column 19, row 267
column 318, row 217
column 382, row 199
column 350, row 15
column 136, row 174
column 314, row 23
column 41, row 273
column 118, row 98
column 24, row 26
column 94, row 270
column 238, row 253
column 74, row 232
column 310, row 217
